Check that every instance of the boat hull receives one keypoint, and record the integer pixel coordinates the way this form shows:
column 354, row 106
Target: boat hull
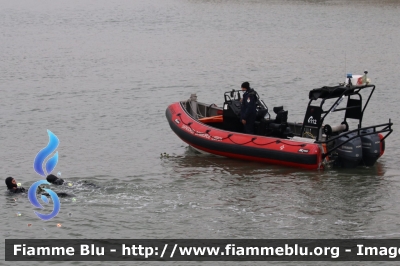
column 242, row 146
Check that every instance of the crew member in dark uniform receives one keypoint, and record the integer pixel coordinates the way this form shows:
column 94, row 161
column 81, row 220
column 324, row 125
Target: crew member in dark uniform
column 248, row 109
column 12, row 186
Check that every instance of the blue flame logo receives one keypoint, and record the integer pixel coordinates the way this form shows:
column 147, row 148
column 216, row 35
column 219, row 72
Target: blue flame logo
column 41, row 156
column 39, row 168
column 35, row 202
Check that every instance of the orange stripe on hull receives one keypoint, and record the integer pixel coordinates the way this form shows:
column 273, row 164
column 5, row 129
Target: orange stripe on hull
column 212, row 119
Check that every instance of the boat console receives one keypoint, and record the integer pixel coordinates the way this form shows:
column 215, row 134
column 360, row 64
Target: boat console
column 264, row 125
column 231, row 112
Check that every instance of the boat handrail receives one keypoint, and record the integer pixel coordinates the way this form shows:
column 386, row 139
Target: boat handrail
column 387, row 127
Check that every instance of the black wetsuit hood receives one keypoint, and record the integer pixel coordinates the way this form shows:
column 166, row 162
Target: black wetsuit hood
column 13, row 187
column 9, row 183
column 54, row 180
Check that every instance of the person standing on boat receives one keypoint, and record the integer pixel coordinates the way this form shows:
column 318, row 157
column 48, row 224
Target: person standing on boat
column 248, row 109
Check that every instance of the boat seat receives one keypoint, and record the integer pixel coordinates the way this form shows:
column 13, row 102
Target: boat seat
column 281, row 117
column 278, row 127
column 278, row 109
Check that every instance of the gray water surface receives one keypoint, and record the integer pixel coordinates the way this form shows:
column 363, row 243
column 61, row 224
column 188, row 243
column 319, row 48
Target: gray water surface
column 100, row 74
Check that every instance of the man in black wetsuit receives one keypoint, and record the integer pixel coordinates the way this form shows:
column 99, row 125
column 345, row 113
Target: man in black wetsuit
column 12, row 185
column 54, row 180
column 59, row 181
column 248, row 109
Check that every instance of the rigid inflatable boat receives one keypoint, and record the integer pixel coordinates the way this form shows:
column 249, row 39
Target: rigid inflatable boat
column 312, row 144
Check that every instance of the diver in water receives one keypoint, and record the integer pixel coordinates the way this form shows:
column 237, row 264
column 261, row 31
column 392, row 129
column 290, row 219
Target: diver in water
column 59, row 181
column 54, row 180
column 12, row 186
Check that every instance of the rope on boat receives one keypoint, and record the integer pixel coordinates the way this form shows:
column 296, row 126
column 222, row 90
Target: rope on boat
column 309, row 134
column 207, row 132
column 229, row 136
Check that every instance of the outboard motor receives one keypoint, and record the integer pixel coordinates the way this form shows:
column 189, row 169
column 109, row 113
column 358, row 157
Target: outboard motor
column 350, row 154
column 371, row 147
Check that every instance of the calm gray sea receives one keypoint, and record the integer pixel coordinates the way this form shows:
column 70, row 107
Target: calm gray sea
column 100, row 74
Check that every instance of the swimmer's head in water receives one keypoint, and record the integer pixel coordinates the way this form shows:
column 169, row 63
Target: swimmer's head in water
column 51, row 178
column 11, row 183
column 54, row 180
